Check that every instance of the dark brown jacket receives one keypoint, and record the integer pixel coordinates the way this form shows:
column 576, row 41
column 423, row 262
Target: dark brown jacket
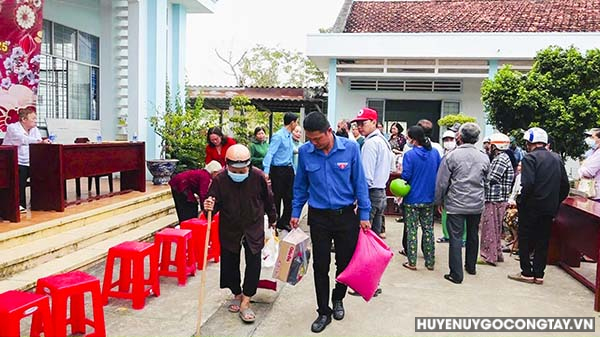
column 242, row 208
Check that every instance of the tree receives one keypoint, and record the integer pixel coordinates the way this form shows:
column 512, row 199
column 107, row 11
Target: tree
column 560, row 94
column 272, row 67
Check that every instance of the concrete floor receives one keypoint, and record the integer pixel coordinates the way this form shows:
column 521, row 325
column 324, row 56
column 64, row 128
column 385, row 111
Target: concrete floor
column 406, row 295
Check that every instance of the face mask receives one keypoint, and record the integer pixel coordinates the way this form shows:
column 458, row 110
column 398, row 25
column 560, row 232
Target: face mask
column 409, row 144
column 449, row 145
column 591, row 143
column 237, row 177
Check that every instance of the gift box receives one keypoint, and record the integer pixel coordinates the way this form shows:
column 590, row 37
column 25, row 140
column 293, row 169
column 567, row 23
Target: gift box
column 293, row 258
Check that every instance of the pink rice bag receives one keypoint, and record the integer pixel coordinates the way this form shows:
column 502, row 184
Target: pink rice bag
column 367, row 265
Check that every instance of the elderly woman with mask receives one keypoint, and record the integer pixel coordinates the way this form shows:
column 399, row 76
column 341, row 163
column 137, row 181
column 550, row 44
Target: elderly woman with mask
column 590, row 168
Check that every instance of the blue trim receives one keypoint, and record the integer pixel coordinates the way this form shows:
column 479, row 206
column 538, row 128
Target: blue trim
column 493, row 69
column 178, row 35
column 332, row 93
column 156, row 70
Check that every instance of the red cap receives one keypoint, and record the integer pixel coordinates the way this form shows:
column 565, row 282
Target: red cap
column 366, row 114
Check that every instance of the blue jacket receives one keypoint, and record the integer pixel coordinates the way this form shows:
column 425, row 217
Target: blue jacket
column 419, row 169
column 331, row 181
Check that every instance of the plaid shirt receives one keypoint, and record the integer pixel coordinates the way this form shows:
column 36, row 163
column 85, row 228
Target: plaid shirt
column 500, row 179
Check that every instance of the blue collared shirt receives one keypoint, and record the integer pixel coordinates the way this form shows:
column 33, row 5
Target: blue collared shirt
column 281, row 150
column 331, row 181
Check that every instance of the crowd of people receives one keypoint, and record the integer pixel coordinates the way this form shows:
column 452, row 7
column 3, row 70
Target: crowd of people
column 342, row 174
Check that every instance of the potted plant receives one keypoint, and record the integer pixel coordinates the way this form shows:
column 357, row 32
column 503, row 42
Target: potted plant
column 183, row 138
column 451, row 120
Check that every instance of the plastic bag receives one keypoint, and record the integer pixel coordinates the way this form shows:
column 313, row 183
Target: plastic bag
column 367, row 265
column 270, row 251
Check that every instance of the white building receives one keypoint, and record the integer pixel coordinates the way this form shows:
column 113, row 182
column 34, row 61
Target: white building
column 424, row 59
column 110, row 61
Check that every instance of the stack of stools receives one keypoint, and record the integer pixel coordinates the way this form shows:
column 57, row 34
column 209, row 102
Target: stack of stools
column 132, row 281
column 71, row 285
column 199, row 227
column 185, row 260
column 16, row 305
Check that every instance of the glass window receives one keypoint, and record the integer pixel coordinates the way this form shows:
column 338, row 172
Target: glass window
column 47, row 37
column 69, row 74
column 450, row 107
column 88, row 48
column 65, row 39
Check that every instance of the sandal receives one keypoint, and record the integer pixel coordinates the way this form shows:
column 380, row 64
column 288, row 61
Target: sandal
column 442, row 240
column 247, row 315
column 234, row 305
column 409, row 266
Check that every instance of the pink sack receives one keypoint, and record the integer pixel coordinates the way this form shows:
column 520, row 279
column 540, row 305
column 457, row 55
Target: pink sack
column 368, row 263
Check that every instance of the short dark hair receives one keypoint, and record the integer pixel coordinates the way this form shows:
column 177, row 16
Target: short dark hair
column 216, row 131
column 258, row 129
column 289, row 117
column 316, row 121
column 427, row 126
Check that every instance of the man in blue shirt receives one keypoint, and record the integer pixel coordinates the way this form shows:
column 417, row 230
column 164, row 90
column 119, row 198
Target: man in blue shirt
column 330, row 177
column 278, row 167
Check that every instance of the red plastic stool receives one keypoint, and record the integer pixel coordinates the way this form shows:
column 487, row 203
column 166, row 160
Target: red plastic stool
column 132, row 285
column 72, row 285
column 16, row 305
column 185, row 260
column 198, row 226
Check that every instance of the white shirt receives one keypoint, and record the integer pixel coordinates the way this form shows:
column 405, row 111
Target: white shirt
column 16, row 135
column 377, row 159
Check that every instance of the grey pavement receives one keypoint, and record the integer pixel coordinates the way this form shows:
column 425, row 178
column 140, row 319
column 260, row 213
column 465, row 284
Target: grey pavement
column 406, row 295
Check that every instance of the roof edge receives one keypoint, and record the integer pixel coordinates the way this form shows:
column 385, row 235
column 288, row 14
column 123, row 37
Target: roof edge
column 340, row 21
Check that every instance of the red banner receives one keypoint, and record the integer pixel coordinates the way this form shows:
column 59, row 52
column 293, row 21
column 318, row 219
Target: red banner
column 20, row 44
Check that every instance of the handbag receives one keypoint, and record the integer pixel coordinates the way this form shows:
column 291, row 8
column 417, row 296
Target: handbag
column 587, row 186
column 370, row 259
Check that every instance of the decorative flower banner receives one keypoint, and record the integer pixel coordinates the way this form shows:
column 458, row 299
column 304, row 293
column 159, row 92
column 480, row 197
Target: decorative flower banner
column 20, row 44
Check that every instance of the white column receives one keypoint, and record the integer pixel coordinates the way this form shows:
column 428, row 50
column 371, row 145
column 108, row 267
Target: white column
column 332, row 93
column 108, row 115
column 137, row 82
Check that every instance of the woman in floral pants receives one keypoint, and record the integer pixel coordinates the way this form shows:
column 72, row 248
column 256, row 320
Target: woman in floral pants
column 419, row 169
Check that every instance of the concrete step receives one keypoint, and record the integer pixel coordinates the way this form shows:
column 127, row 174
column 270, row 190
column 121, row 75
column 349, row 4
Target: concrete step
column 26, row 279
column 33, row 253
column 42, row 230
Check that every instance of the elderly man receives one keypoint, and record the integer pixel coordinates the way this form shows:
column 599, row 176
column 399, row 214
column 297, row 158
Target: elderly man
column 330, row 177
column 545, row 185
column 460, row 189
column 242, row 196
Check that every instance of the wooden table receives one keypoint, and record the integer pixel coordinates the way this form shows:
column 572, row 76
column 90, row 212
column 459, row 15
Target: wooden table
column 9, row 184
column 53, row 164
column 576, row 231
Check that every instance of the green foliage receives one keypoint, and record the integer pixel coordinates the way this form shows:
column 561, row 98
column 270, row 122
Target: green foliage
column 560, row 94
column 183, row 131
column 451, row 119
column 246, row 118
column 270, row 67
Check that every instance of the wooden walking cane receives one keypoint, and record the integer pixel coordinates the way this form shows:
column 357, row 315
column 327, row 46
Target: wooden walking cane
column 203, row 275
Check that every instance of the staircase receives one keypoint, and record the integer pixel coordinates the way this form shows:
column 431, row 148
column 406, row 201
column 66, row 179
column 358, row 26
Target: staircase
column 78, row 240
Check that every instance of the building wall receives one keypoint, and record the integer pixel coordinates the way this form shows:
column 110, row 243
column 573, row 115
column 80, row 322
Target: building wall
column 349, row 102
column 83, row 15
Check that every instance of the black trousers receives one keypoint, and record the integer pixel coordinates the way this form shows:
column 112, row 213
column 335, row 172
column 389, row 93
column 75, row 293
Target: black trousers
column 185, row 209
column 455, row 224
column 534, row 235
column 230, row 271
column 23, row 176
column 342, row 227
column 282, row 184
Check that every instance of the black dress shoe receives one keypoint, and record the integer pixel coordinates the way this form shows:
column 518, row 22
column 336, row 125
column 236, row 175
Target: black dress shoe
column 338, row 310
column 286, row 228
column 320, row 323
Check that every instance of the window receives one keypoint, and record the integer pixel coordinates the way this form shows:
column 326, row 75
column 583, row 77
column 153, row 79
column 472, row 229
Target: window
column 69, row 74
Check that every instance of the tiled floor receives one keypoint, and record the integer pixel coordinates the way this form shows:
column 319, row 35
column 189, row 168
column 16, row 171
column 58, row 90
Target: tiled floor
column 35, row 217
